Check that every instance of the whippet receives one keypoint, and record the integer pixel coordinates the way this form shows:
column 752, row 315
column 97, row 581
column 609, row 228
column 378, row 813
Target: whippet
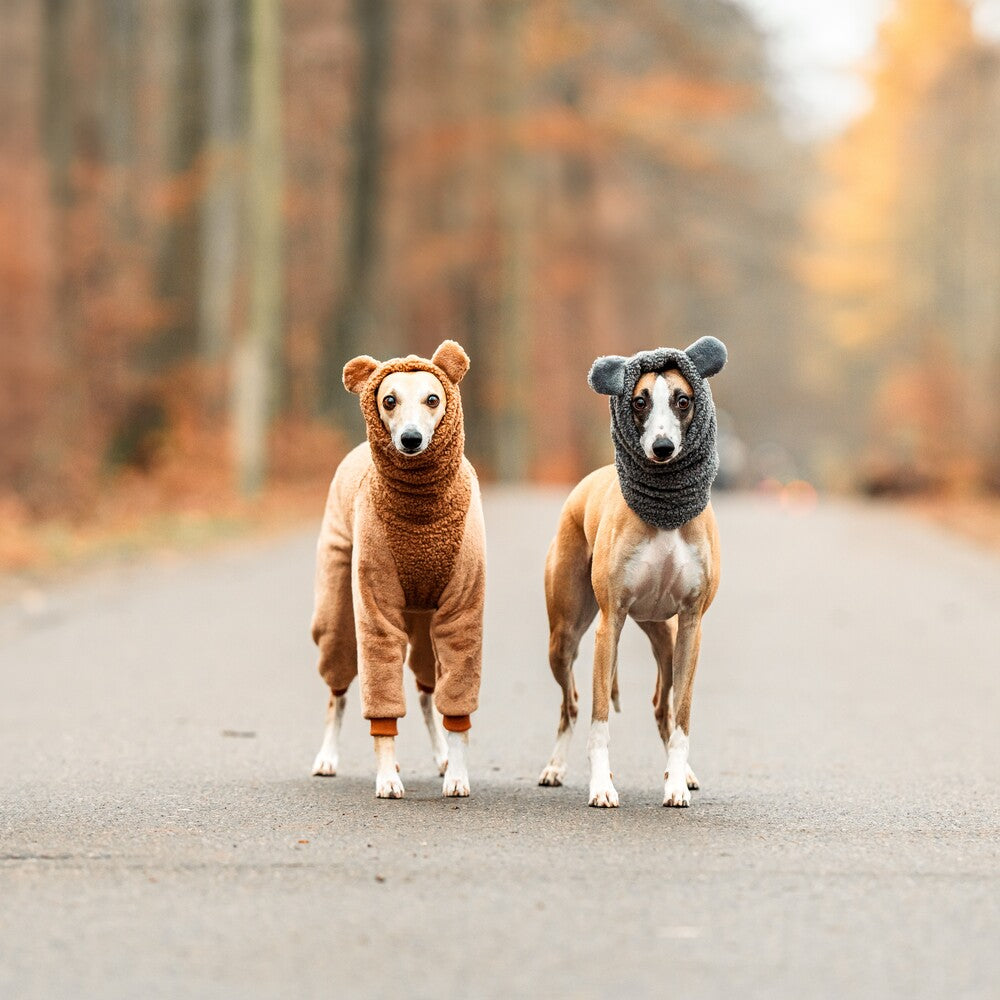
column 609, row 561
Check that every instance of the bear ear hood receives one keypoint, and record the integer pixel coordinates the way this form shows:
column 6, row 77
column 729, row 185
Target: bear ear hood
column 607, row 375
column 669, row 495
column 443, row 456
column 449, row 360
column 452, row 360
column 358, row 371
column 709, row 355
column 421, row 500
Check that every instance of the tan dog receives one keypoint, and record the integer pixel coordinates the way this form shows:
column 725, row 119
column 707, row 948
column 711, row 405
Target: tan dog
column 401, row 564
column 607, row 560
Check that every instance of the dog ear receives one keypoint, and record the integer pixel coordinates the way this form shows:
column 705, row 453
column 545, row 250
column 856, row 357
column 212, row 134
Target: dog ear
column 357, row 371
column 452, row 360
column 607, row 375
column 709, row 355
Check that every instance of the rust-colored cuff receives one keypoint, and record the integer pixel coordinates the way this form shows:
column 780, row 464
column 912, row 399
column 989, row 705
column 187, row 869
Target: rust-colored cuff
column 384, row 727
column 423, row 688
column 339, row 692
column 457, row 723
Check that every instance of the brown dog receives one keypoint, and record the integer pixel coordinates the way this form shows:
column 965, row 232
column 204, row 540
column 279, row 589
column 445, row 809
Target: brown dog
column 401, row 563
column 608, row 559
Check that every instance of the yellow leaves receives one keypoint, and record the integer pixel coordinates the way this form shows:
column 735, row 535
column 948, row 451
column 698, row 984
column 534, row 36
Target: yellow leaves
column 857, row 267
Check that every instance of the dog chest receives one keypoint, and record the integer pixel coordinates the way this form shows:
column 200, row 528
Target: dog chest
column 662, row 575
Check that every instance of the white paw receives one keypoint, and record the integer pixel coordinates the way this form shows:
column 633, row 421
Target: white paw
column 603, row 795
column 456, row 785
column 675, row 793
column 441, row 760
column 552, row 775
column 692, row 781
column 324, row 765
column 388, row 786
column 456, row 777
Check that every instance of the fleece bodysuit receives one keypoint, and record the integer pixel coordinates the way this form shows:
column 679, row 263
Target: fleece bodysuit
column 401, row 559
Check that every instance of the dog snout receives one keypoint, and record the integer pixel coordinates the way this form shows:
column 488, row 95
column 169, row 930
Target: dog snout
column 663, row 448
column 411, row 439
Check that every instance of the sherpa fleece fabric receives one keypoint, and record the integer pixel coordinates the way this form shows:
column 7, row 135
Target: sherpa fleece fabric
column 665, row 495
column 412, row 527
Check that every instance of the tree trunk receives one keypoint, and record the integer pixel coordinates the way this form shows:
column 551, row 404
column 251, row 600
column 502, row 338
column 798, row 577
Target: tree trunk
column 58, row 110
column 512, row 423
column 220, row 205
column 256, row 358
column 178, row 251
column 349, row 330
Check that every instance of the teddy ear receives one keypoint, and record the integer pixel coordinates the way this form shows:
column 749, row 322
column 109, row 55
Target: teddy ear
column 357, row 372
column 709, row 355
column 452, row 360
column 607, row 375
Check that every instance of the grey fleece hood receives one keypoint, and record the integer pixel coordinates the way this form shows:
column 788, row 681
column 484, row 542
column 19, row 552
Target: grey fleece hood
column 665, row 495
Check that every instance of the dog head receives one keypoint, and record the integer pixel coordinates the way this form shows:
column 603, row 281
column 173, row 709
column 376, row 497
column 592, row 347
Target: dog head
column 411, row 405
column 662, row 409
column 411, row 398
column 660, row 394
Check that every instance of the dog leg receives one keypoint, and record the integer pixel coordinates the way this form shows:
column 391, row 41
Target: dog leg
column 602, row 791
column 388, row 784
column 325, row 764
column 553, row 773
column 678, row 778
column 569, row 599
column 438, row 746
column 456, row 777
column 667, row 727
column 661, row 637
column 692, row 781
column 563, row 644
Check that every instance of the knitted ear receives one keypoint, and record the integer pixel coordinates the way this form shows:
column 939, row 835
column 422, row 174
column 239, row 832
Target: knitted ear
column 607, row 375
column 357, row 372
column 452, row 360
column 709, row 354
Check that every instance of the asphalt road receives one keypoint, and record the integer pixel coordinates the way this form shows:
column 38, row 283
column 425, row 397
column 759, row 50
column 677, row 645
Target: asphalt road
column 160, row 835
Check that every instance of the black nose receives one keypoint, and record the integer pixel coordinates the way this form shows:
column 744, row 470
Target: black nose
column 412, row 440
column 663, row 447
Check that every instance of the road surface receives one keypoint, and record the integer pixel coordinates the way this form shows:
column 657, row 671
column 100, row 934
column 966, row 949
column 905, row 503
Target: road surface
column 161, row 837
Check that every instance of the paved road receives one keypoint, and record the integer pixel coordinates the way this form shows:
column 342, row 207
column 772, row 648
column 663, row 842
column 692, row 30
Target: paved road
column 846, row 841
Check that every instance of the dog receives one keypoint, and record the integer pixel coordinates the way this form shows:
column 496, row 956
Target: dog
column 639, row 539
column 400, row 566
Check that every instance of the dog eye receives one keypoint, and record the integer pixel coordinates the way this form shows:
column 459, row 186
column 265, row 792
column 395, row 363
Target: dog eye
column 389, row 402
column 683, row 402
column 432, row 401
column 639, row 403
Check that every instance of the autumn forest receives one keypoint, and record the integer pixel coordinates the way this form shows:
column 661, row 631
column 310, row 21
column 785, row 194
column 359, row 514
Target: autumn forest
column 207, row 208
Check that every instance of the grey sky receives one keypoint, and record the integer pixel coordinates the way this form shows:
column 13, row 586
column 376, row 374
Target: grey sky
column 818, row 47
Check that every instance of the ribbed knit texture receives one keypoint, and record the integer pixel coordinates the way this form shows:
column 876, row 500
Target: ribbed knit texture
column 421, row 500
column 669, row 495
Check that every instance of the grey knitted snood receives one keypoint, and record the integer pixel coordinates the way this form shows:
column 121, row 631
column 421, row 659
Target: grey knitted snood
column 669, row 495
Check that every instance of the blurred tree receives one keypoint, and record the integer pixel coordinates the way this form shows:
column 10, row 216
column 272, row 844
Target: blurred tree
column 224, row 80
column 223, row 198
column 181, row 128
column 351, row 326
column 257, row 356
column 906, row 257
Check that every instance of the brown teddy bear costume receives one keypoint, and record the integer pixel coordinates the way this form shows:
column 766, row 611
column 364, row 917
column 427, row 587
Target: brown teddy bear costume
column 401, row 559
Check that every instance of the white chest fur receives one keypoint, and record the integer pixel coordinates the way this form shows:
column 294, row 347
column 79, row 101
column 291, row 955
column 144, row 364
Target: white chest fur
column 663, row 575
